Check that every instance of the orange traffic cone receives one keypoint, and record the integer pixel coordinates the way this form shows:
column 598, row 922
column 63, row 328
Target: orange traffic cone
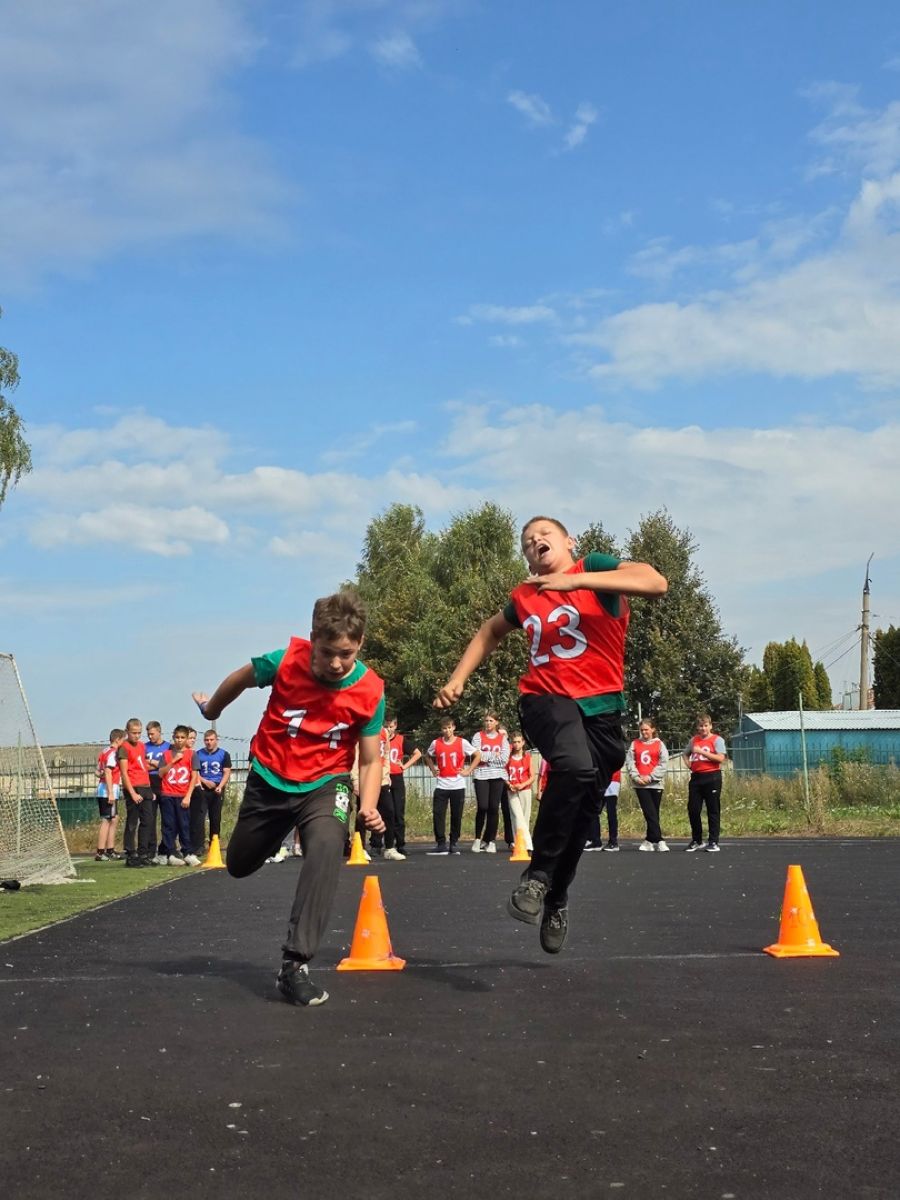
column 520, row 850
column 357, row 853
column 371, row 949
column 214, row 853
column 799, row 933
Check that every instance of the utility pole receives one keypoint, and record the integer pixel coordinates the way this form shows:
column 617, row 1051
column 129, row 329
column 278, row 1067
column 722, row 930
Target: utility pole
column 864, row 644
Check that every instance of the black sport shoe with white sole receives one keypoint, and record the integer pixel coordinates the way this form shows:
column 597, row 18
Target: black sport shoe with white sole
column 527, row 900
column 296, row 986
column 554, row 929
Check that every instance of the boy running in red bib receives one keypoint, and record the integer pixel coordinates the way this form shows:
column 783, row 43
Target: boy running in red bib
column 575, row 616
column 323, row 703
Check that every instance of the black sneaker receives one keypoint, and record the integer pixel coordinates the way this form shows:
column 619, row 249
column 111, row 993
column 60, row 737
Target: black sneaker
column 453, row 849
column 149, row 862
column 133, row 861
column 296, row 987
column 527, row 900
column 693, row 847
column 100, row 856
column 554, row 929
column 440, row 848
column 114, row 856
column 376, row 851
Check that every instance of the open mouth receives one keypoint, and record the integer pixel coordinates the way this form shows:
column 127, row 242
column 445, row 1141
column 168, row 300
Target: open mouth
column 541, row 550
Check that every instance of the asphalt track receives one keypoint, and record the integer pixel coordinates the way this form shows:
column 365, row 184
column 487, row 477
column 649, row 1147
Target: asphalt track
column 146, row 1053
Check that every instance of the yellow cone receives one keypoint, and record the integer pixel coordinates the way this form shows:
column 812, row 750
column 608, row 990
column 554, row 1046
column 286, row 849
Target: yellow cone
column 214, row 853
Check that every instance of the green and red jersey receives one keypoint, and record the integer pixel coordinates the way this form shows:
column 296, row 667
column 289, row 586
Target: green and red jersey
column 310, row 729
column 577, row 640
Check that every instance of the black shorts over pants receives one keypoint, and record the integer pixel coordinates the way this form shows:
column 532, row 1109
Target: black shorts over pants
column 583, row 753
column 267, row 814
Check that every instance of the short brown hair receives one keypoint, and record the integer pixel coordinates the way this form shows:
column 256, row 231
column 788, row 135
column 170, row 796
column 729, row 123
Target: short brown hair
column 341, row 615
column 116, row 735
column 552, row 520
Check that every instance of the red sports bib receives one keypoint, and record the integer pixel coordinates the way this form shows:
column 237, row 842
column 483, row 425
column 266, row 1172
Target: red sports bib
column 310, row 729
column 646, row 755
column 135, row 765
column 176, row 779
column 576, row 648
column 449, row 757
column 519, row 769
column 699, row 765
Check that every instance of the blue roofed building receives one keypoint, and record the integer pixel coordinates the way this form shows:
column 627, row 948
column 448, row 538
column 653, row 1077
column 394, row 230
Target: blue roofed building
column 770, row 742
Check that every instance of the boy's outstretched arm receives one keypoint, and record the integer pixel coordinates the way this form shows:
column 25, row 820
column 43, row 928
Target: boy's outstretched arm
column 228, row 690
column 628, row 579
column 482, row 645
column 370, row 782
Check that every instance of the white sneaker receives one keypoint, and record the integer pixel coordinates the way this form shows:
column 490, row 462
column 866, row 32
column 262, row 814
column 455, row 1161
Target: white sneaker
column 647, row 846
column 281, row 854
column 662, row 847
column 174, row 861
column 296, row 852
column 161, row 860
column 191, row 860
column 477, row 846
column 394, row 855
column 368, row 856
column 489, row 847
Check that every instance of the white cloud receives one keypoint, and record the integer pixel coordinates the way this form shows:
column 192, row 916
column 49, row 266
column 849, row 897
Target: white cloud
column 30, row 600
column 498, row 314
column 531, row 106
column 397, row 51
column 857, row 138
column 116, row 130
column 164, row 531
column 585, row 116
column 505, row 340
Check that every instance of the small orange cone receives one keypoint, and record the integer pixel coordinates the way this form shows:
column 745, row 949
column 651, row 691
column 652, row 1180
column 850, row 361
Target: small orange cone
column 799, row 933
column 357, row 853
column 214, row 853
column 371, row 949
column 520, row 850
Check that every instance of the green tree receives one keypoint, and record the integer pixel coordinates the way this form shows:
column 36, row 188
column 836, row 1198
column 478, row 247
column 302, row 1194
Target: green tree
column 15, row 455
column 788, row 671
column 426, row 595
column 757, row 693
column 886, row 669
column 823, row 686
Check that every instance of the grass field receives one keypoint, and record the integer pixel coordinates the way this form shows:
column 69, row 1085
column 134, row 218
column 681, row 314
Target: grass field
column 96, row 884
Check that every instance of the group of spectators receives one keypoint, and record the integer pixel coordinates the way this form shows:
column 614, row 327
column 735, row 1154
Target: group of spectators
column 170, row 790
column 501, row 772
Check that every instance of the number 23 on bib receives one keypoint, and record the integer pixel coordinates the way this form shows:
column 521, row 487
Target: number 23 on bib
column 576, row 647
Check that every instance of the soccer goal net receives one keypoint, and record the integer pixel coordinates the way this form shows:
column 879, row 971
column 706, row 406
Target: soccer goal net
column 32, row 846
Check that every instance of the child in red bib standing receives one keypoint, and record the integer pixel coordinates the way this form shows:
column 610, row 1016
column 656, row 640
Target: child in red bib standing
column 323, row 702
column 575, row 616
column 646, row 764
column 704, row 754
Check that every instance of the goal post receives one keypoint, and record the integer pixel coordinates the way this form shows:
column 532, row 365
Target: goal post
column 32, row 844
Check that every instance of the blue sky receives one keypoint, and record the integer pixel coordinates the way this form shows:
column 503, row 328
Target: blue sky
column 271, row 267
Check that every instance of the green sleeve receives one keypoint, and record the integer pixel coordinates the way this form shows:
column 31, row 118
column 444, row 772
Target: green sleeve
column 265, row 667
column 600, row 562
column 374, row 725
column 511, row 615
column 604, row 562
